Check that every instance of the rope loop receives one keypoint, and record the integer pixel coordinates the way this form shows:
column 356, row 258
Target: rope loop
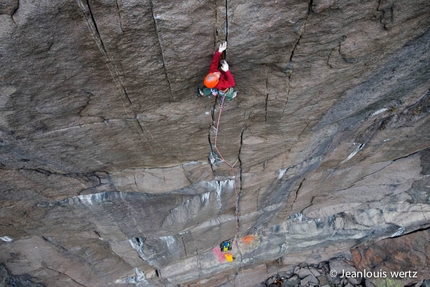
column 231, row 165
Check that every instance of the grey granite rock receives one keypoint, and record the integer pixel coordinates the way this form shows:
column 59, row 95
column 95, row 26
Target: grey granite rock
column 105, row 176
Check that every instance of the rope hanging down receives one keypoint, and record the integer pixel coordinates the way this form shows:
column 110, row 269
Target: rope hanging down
column 231, row 165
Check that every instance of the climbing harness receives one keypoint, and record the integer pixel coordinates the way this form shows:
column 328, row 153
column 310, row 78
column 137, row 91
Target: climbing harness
column 223, row 92
column 231, row 165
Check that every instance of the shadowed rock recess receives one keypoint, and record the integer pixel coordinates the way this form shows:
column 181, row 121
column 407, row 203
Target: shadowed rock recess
column 108, row 175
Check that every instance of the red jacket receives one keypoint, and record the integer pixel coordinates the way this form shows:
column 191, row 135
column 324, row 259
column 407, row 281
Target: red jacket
column 226, row 79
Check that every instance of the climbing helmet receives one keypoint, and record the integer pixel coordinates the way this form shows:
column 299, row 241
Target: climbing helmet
column 211, row 80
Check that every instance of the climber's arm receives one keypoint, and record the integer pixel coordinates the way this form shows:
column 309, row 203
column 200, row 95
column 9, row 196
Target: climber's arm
column 228, row 76
column 214, row 63
column 216, row 57
column 230, row 79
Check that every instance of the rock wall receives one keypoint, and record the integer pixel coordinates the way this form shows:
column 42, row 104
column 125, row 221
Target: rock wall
column 108, row 169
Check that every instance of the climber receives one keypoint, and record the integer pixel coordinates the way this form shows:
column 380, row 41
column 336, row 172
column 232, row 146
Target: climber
column 225, row 246
column 219, row 81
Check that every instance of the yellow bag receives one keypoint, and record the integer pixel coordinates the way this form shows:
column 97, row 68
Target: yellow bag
column 229, row 257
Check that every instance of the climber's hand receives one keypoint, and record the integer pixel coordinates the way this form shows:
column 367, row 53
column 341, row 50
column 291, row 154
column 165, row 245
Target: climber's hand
column 222, row 47
column 224, row 65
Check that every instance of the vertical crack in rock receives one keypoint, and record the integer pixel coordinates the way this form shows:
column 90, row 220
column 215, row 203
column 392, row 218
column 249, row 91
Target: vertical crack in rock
column 309, row 205
column 221, row 29
column 265, row 108
column 267, row 97
column 304, row 129
column 85, row 7
column 115, row 74
column 215, row 33
column 154, row 18
column 302, row 31
column 257, row 204
column 185, row 248
column 119, row 16
column 14, row 12
column 239, row 158
column 226, row 24
column 211, row 158
column 88, row 14
column 297, row 193
column 329, row 58
column 142, row 128
column 288, row 69
column 286, row 101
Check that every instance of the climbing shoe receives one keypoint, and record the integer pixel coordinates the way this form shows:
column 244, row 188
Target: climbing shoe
column 200, row 93
column 233, row 96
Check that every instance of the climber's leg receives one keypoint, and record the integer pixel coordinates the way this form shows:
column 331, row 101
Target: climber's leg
column 231, row 94
column 205, row 92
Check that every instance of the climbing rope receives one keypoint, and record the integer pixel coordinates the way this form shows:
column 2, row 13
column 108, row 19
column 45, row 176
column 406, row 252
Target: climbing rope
column 231, row 165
